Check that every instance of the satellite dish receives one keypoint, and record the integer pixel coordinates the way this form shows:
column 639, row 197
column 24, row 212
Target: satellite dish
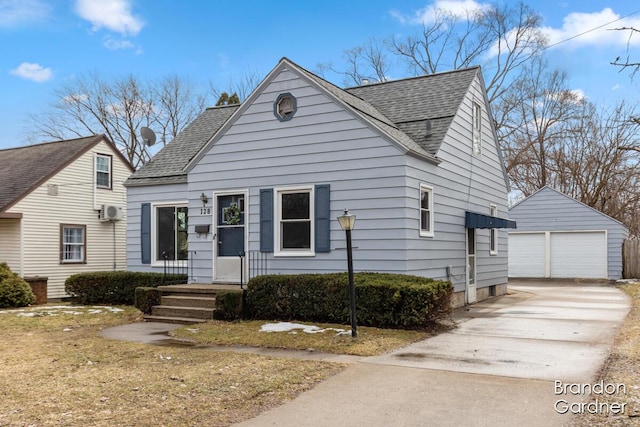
column 148, row 136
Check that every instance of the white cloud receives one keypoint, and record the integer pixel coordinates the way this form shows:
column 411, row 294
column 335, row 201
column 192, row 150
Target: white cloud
column 116, row 44
column 113, row 15
column 31, row 71
column 593, row 29
column 14, row 13
column 458, row 8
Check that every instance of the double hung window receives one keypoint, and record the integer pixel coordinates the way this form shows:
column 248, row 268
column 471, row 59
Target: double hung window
column 73, row 242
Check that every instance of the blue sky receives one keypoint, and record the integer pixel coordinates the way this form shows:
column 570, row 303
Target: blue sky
column 45, row 43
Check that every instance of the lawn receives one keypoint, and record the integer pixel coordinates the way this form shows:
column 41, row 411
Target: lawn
column 56, row 369
column 328, row 338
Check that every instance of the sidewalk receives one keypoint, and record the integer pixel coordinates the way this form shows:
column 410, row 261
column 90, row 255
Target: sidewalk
column 498, row 368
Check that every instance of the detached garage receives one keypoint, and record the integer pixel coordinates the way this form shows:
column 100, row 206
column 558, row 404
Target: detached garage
column 560, row 237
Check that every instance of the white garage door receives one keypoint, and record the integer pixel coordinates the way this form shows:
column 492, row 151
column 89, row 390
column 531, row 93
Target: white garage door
column 526, row 255
column 579, row 255
column 558, row 254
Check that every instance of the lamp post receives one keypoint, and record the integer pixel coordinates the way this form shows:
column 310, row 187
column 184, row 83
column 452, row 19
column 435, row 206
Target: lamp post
column 347, row 221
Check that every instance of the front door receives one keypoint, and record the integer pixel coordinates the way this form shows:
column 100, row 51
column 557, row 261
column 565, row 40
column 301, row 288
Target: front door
column 471, row 265
column 230, row 237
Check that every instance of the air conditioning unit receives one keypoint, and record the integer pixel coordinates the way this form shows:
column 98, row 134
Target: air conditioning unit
column 110, row 213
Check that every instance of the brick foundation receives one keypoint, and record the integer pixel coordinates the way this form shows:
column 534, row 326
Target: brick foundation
column 39, row 287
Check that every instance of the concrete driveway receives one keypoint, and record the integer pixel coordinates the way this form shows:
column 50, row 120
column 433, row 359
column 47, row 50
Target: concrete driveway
column 500, row 367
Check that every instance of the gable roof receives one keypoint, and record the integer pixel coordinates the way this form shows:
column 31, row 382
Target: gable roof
column 398, row 109
column 548, row 188
column 23, row 169
column 168, row 165
column 413, row 102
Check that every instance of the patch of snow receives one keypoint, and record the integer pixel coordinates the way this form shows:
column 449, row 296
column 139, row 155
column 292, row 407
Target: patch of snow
column 291, row 328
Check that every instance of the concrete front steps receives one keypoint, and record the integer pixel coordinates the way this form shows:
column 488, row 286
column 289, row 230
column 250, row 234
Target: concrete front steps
column 187, row 304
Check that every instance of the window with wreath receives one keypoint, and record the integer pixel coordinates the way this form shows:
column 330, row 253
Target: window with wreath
column 73, row 242
column 103, row 170
column 171, row 236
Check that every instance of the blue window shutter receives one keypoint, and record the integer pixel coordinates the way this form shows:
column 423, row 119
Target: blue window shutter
column 266, row 220
column 145, row 233
column 322, row 218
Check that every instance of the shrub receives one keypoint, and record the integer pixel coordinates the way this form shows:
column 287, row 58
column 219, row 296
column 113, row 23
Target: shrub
column 229, row 305
column 113, row 287
column 146, row 298
column 382, row 300
column 14, row 291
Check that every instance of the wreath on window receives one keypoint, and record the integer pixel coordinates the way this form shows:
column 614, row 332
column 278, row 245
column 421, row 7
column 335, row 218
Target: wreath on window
column 232, row 214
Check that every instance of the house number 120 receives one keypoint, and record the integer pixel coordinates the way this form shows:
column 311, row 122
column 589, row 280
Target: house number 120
column 205, row 211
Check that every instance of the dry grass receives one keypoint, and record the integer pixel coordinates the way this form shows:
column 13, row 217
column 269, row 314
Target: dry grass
column 58, row 371
column 622, row 367
column 370, row 341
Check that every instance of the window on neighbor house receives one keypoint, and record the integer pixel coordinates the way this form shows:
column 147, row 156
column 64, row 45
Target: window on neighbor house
column 493, row 232
column 73, row 242
column 295, row 222
column 171, row 238
column 103, row 171
column 426, row 211
column 477, row 129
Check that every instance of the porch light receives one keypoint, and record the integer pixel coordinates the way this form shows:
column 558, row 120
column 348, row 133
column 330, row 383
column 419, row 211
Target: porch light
column 347, row 221
column 204, row 199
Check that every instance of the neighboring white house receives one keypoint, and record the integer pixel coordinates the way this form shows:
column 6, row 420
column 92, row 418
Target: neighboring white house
column 51, row 200
column 560, row 237
column 416, row 160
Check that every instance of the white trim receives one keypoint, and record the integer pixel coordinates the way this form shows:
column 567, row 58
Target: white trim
column 476, row 128
column 175, row 204
column 493, row 232
column 547, row 245
column 277, row 243
column 430, row 232
column 214, row 211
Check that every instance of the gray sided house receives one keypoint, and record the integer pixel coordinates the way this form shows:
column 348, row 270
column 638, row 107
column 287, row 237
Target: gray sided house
column 415, row 160
column 560, row 237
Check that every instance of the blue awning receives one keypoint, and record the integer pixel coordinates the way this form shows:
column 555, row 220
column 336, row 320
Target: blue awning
column 478, row 220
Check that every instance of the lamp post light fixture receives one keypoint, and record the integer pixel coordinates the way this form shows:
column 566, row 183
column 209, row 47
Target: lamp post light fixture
column 347, row 221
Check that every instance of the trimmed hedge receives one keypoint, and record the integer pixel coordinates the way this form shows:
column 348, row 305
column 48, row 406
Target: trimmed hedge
column 229, row 305
column 146, row 298
column 14, row 291
column 113, row 287
column 382, row 300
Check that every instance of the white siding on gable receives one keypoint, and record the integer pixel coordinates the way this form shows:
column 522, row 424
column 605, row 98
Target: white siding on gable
column 321, row 144
column 549, row 210
column 75, row 202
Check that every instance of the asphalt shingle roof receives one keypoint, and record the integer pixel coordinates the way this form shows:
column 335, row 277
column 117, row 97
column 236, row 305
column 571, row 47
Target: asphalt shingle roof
column 23, row 169
column 410, row 103
column 398, row 108
column 167, row 166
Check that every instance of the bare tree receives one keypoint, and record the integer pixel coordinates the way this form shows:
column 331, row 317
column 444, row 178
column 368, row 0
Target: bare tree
column 119, row 108
column 596, row 171
column 367, row 63
column 539, row 114
column 241, row 86
column 626, row 62
column 499, row 37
